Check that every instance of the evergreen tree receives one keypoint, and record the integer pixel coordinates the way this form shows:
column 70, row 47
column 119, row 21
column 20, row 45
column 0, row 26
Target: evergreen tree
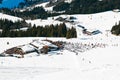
column 62, row 30
column 40, row 31
column 71, row 33
column 116, row 29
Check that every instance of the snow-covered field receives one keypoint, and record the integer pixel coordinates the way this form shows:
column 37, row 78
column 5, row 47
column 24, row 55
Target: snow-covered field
column 39, row 22
column 95, row 64
column 12, row 18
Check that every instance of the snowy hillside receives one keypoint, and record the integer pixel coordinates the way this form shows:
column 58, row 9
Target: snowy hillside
column 9, row 17
column 45, row 5
column 100, row 21
column 69, row 1
column 40, row 22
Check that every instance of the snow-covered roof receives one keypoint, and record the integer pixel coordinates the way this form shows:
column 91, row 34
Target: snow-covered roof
column 52, row 45
column 40, row 44
column 27, row 48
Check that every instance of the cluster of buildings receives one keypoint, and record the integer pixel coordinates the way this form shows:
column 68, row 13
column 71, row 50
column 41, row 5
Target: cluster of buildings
column 36, row 46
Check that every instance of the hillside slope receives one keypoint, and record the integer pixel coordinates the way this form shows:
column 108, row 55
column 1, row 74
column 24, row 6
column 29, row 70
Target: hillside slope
column 9, row 17
column 100, row 21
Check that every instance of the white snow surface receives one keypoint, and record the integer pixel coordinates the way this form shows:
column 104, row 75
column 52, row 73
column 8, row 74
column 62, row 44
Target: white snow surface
column 68, row 1
column 12, row 18
column 44, row 6
column 102, row 21
column 40, row 22
column 27, row 48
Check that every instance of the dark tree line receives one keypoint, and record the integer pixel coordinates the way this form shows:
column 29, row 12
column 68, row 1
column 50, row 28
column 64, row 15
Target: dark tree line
column 75, row 7
column 61, row 6
column 26, row 3
column 71, row 33
column 35, row 13
column 88, row 6
column 8, row 24
column 40, row 31
column 116, row 29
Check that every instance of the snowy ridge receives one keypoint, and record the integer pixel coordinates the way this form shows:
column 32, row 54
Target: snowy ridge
column 9, row 17
column 69, row 1
column 44, row 5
